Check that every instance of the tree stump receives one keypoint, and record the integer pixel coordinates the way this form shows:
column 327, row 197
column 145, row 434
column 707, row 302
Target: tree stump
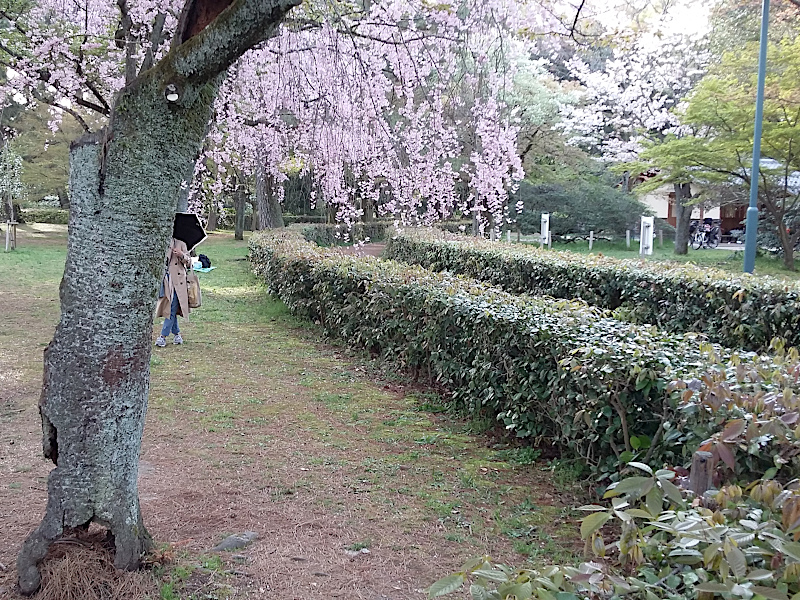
column 702, row 473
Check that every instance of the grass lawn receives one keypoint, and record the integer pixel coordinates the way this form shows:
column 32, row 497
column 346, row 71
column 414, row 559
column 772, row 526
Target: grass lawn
column 359, row 484
column 726, row 260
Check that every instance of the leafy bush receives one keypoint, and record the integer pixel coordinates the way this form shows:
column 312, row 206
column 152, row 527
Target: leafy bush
column 292, row 219
column 57, row 216
column 736, row 311
column 578, row 207
column 336, row 235
column 547, row 369
column 737, row 543
column 464, row 227
column 745, row 413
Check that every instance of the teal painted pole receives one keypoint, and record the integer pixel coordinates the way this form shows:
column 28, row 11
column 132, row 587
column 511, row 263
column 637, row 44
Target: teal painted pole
column 751, row 224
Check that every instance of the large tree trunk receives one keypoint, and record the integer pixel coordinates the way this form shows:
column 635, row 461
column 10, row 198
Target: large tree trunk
column 683, row 217
column 124, row 183
column 268, row 209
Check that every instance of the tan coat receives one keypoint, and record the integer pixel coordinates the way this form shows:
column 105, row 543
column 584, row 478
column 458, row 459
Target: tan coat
column 175, row 282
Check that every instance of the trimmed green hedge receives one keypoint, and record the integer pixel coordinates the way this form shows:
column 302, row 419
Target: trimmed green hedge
column 337, row 235
column 464, row 227
column 736, row 311
column 292, row 219
column 57, row 216
column 548, row 369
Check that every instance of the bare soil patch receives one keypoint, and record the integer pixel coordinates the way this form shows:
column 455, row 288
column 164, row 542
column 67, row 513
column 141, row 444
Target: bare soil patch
column 357, row 485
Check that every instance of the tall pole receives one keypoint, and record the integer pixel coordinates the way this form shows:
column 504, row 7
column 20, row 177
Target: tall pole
column 751, row 224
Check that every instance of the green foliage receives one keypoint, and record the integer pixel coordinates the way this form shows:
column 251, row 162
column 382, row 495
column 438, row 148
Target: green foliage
column 744, row 413
column 292, row 219
column 337, row 235
column 729, row 309
column 58, row 216
column 520, row 456
column 740, row 543
column 721, row 115
column 578, row 207
column 606, row 391
column 464, row 227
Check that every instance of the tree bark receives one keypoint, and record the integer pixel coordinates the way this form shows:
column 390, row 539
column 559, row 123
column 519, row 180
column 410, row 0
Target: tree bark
column 8, row 207
column 787, row 244
column 239, row 206
column 683, row 217
column 369, row 210
column 213, row 216
column 124, row 184
column 268, row 209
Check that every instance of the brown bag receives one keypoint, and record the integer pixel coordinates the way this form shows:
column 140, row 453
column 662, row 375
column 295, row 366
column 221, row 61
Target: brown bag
column 193, row 290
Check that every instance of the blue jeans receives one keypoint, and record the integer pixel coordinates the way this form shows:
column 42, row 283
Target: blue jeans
column 171, row 324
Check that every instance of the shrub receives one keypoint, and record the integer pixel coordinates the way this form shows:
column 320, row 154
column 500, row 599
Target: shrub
column 736, row 311
column 464, row 227
column 58, row 216
column 547, row 369
column 578, row 207
column 735, row 543
column 337, row 235
column 292, row 219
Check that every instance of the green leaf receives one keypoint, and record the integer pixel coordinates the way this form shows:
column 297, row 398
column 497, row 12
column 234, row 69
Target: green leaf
column 445, row 586
column 491, row 574
column 654, row 501
column 592, row 523
column 770, row 593
column 522, row 591
column 760, row 575
column 717, row 588
column 638, row 513
column 792, row 549
column 737, row 561
column 478, row 592
column 632, row 486
column 592, row 507
column 672, row 491
column 641, row 467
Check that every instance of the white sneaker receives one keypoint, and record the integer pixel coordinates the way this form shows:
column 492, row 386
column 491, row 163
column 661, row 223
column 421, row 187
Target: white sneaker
column 178, row 339
column 161, row 341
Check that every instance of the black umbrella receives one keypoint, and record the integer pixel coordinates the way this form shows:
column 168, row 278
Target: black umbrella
column 188, row 229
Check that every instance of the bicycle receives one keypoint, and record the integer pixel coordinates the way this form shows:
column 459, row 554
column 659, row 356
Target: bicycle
column 706, row 235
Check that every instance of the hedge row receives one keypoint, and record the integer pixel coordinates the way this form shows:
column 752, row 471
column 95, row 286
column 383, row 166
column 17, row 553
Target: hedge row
column 292, row 219
column 548, row 369
column 464, row 227
column 57, row 216
column 735, row 311
column 337, row 235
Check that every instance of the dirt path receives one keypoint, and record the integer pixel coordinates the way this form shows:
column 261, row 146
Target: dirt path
column 357, row 486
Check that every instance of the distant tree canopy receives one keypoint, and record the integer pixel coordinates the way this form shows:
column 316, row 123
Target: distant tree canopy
column 578, row 206
column 720, row 115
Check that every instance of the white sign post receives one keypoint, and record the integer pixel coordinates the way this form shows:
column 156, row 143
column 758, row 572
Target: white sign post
column 544, row 237
column 646, row 236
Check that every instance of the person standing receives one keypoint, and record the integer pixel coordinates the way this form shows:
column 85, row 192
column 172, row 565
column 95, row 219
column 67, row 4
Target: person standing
column 174, row 297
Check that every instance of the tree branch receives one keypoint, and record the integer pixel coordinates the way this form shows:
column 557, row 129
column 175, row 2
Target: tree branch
column 126, row 23
column 41, row 98
column 235, row 30
column 156, row 39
